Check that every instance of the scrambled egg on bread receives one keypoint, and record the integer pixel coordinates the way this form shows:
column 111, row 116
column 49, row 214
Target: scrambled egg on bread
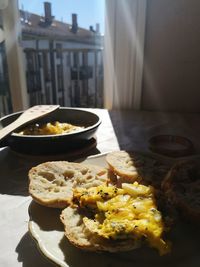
column 120, row 213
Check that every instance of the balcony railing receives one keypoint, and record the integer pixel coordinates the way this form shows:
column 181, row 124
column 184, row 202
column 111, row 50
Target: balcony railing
column 5, row 98
column 69, row 77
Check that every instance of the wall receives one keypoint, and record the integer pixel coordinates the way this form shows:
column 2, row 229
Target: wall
column 171, row 78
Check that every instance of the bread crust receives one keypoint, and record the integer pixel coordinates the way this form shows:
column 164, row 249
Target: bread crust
column 131, row 166
column 81, row 237
column 182, row 189
column 51, row 183
column 121, row 163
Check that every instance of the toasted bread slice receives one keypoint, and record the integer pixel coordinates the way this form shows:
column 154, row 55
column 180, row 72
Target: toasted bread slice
column 51, row 183
column 81, row 237
column 131, row 166
column 182, row 188
column 122, row 163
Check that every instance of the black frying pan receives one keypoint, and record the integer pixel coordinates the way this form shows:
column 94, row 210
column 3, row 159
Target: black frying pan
column 49, row 144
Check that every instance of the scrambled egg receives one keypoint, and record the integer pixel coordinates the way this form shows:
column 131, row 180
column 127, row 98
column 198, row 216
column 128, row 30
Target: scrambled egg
column 50, row 128
column 127, row 212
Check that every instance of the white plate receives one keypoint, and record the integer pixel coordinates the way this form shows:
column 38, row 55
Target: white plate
column 47, row 230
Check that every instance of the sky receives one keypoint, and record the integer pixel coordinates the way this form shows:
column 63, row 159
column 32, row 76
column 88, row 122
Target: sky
column 89, row 12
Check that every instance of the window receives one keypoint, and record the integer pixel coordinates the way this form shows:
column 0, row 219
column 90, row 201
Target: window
column 66, row 52
column 59, row 42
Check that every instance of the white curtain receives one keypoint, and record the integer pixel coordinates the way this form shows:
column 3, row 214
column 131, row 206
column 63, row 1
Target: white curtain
column 14, row 54
column 123, row 56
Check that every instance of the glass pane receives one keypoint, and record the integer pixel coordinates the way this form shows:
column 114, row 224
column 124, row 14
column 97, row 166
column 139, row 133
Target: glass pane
column 5, row 98
column 63, row 51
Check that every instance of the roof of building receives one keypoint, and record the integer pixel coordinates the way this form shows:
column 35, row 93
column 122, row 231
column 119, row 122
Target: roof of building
column 34, row 26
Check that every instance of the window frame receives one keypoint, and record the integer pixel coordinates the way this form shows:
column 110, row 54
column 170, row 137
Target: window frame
column 113, row 48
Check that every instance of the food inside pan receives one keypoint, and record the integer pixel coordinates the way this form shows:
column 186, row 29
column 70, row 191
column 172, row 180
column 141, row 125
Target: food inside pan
column 50, row 128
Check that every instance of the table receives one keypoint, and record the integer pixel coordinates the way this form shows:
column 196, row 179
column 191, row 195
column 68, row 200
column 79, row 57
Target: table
column 17, row 247
column 134, row 128
column 127, row 130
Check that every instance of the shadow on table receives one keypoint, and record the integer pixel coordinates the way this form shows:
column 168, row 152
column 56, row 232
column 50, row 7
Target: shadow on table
column 129, row 131
column 29, row 254
column 134, row 129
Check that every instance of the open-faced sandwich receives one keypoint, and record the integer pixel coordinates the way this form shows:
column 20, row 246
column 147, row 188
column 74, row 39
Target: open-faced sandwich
column 107, row 218
column 51, row 183
column 99, row 213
